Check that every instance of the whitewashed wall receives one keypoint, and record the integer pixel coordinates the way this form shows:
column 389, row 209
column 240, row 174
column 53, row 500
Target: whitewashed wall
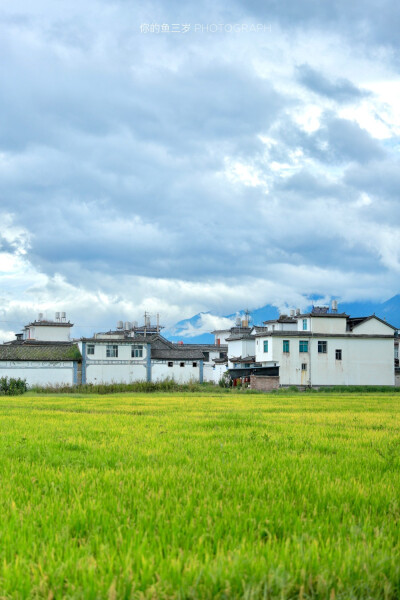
column 161, row 371
column 218, row 372
column 325, row 324
column 373, row 326
column 365, row 361
column 50, row 334
column 112, row 372
column 39, row 372
column 241, row 348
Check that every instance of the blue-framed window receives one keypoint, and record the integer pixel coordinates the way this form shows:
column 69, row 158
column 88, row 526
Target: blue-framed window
column 112, row 351
column 303, row 345
column 265, row 345
column 136, row 351
column 286, row 346
column 304, row 324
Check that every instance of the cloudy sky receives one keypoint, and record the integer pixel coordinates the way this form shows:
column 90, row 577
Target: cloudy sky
column 179, row 158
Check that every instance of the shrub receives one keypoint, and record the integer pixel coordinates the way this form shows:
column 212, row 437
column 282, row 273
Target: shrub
column 12, row 387
column 167, row 385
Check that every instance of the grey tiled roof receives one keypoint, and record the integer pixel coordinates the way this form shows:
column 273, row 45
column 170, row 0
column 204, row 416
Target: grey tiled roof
column 49, row 324
column 174, row 354
column 206, row 347
column 240, row 336
column 47, row 352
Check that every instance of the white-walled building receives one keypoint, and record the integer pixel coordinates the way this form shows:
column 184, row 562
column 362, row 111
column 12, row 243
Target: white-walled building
column 328, row 348
column 215, row 360
column 46, row 330
column 318, row 348
column 41, row 363
column 135, row 355
column 43, row 354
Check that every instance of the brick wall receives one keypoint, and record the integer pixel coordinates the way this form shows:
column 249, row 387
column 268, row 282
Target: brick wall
column 264, row 383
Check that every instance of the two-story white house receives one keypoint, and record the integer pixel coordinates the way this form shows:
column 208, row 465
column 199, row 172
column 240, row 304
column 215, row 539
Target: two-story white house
column 135, row 355
column 325, row 347
column 43, row 354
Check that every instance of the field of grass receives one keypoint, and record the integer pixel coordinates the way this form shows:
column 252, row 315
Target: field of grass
column 200, row 496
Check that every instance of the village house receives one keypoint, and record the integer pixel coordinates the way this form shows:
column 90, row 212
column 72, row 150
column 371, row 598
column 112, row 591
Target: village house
column 321, row 347
column 44, row 354
column 131, row 353
column 324, row 347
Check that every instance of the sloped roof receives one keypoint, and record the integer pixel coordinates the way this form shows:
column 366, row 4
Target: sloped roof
column 47, row 352
column 240, row 336
column 161, row 348
column 355, row 321
column 282, row 319
column 246, row 359
column 49, row 324
column 174, row 354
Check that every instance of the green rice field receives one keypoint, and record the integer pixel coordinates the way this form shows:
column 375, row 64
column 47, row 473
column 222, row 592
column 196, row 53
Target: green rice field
column 202, row 495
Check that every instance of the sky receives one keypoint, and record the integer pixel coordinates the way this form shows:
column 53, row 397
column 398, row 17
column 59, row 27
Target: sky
column 182, row 157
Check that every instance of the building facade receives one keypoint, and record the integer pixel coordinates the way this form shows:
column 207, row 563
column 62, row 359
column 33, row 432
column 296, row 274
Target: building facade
column 42, row 354
column 328, row 348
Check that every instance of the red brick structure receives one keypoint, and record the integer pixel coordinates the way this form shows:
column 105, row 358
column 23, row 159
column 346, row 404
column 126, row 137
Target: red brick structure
column 264, row 383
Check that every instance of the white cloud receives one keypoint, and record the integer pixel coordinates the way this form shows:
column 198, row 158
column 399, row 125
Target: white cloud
column 186, row 174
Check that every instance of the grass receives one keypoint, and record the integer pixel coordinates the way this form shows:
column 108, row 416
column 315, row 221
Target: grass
column 200, row 496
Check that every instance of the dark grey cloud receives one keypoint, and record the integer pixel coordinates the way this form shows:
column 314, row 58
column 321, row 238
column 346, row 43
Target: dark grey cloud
column 363, row 22
column 337, row 140
column 341, row 90
column 381, row 181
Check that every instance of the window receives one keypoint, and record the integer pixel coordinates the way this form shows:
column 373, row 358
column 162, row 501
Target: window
column 338, row 354
column 322, row 347
column 112, row 351
column 266, row 346
column 195, row 364
column 182, row 364
column 136, row 351
column 303, row 345
column 304, row 366
column 247, row 365
column 286, row 346
column 304, row 324
column 206, row 356
column 90, row 349
column 396, row 352
column 170, row 364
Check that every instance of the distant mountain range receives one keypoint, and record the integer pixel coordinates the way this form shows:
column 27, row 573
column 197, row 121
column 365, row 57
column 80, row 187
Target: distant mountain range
column 196, row 329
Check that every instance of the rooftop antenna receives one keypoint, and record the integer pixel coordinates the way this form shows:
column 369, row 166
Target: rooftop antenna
column 247, row 318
